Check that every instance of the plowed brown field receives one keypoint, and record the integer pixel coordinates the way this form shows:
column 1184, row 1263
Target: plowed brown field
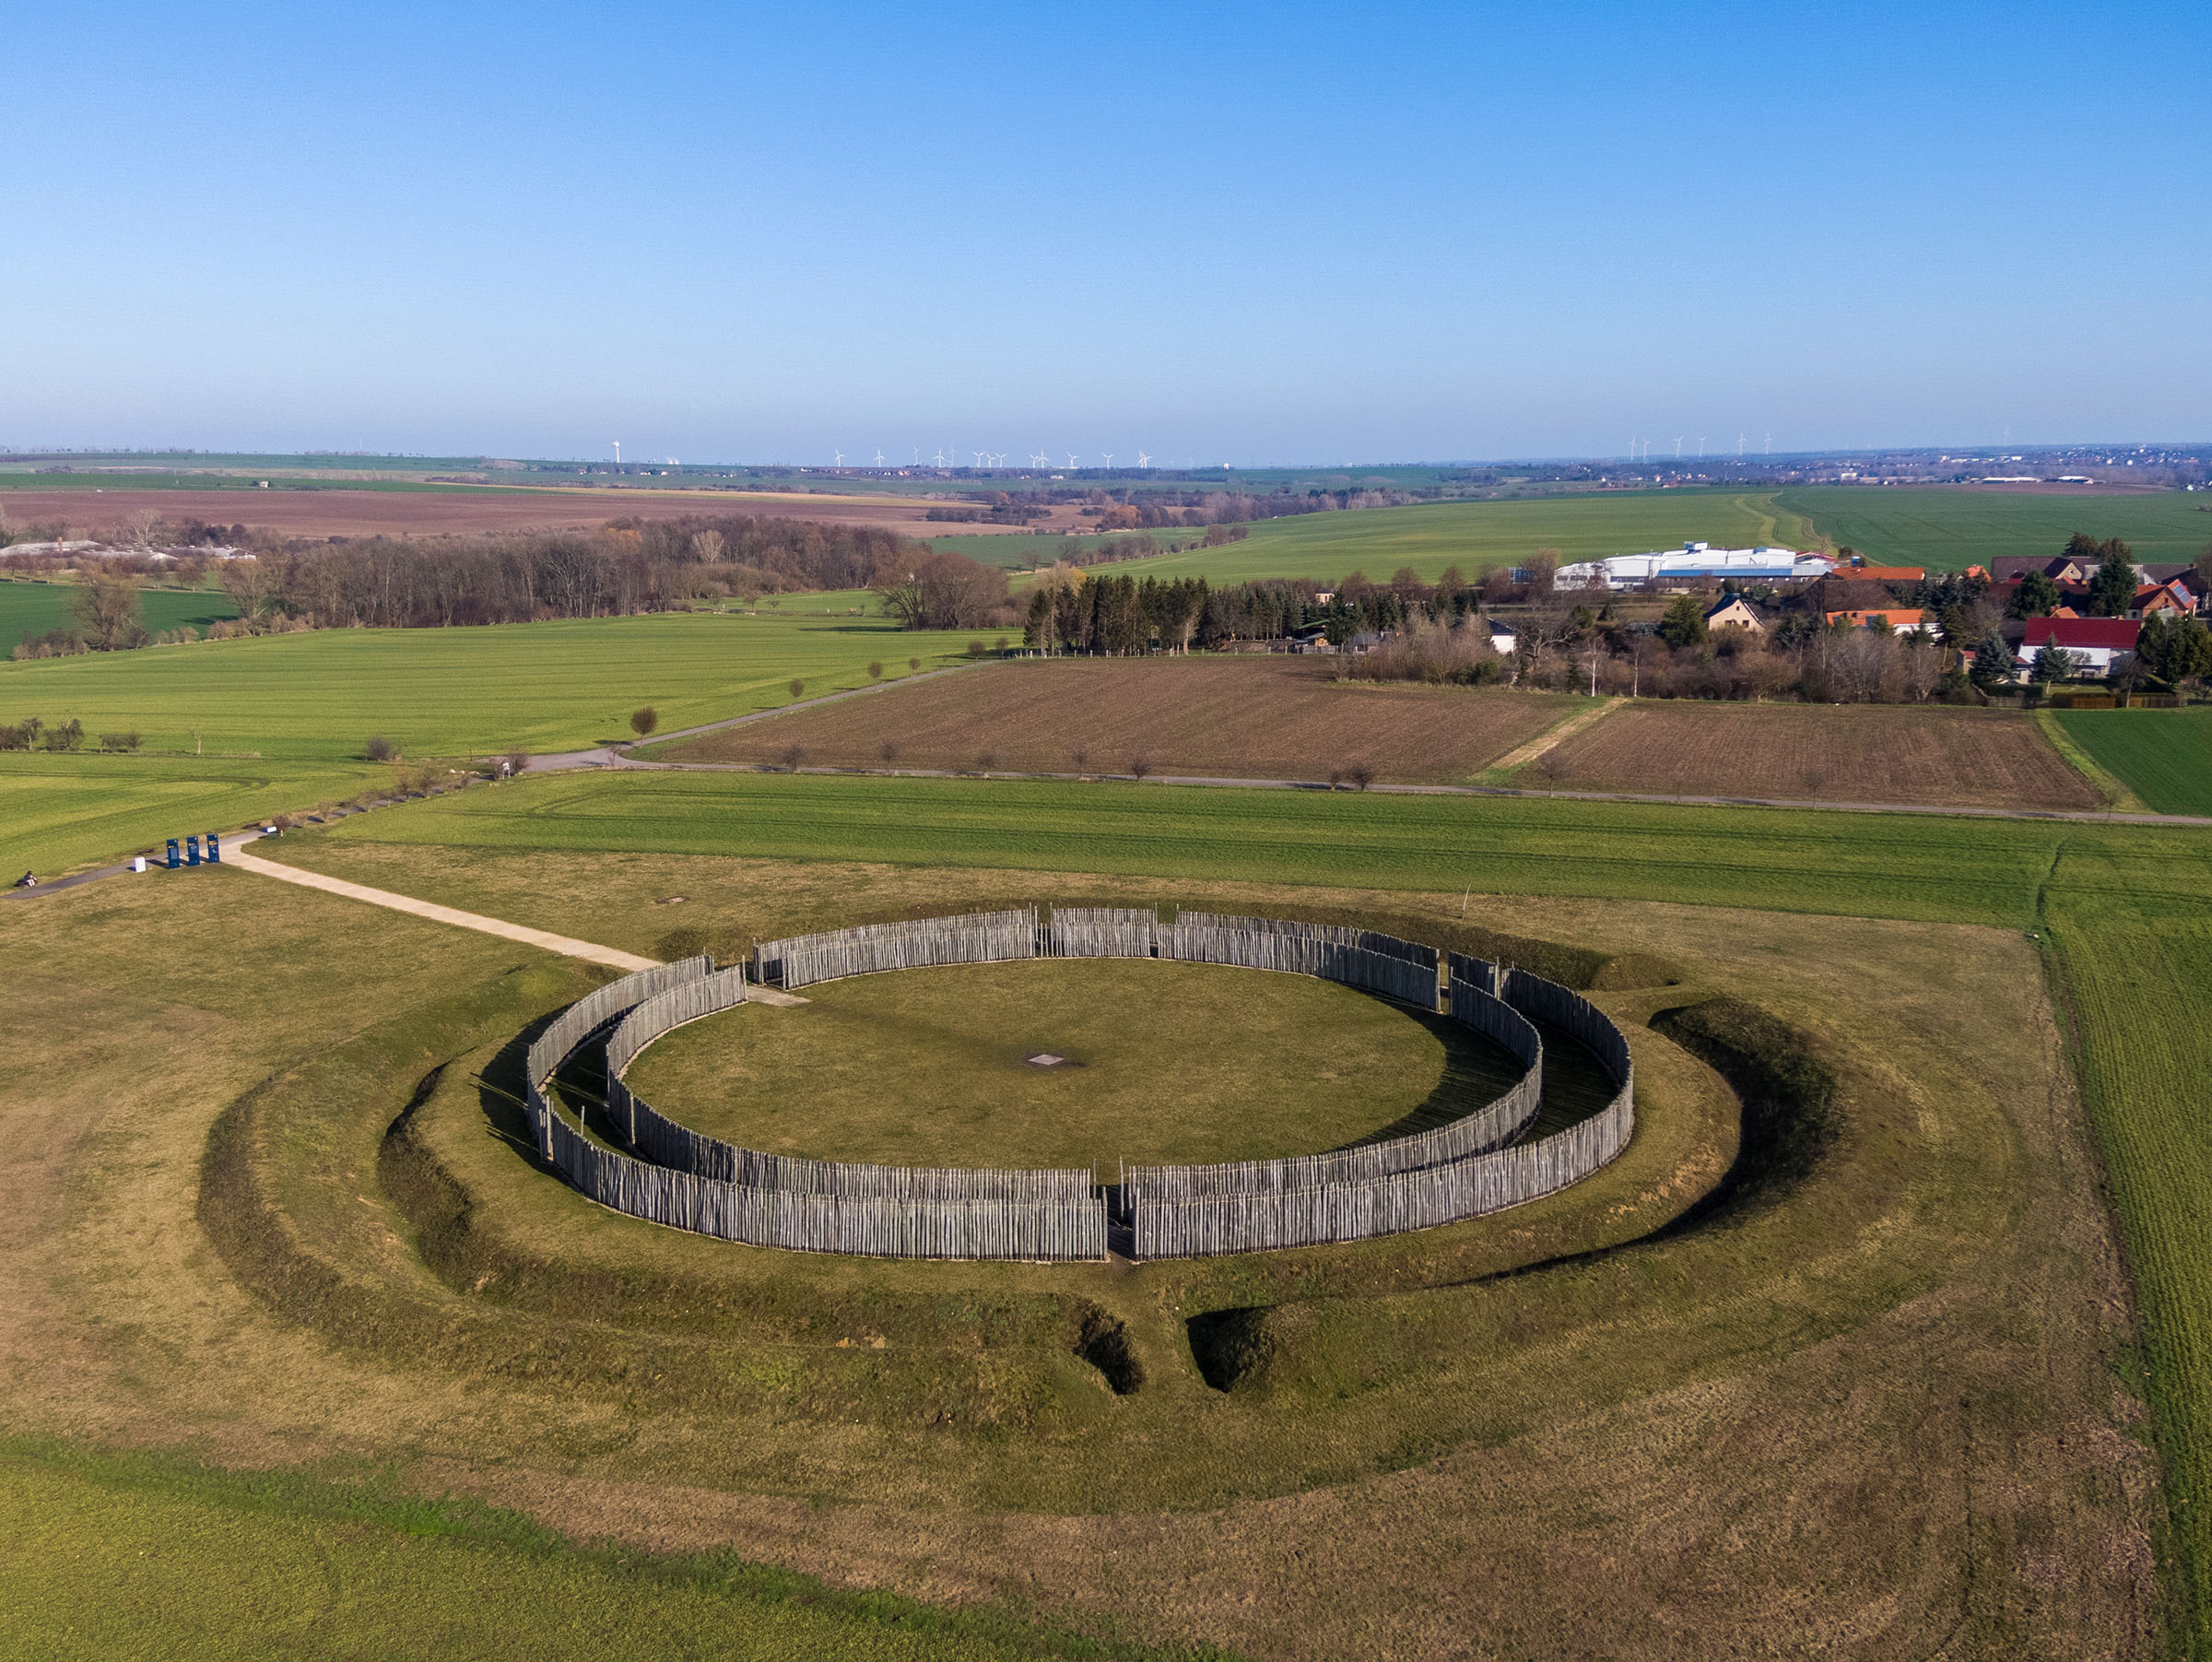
column 440, row 513
column 1932, row 755
column 1273, row 718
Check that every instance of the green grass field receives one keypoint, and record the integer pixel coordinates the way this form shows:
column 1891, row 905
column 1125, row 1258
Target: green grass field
column 1949, row 529
column 1901, row 865
column 57, row 812
column 1260, row 1066
column 33, row 608
column 463, row 691
column 125, row 1555
column 2164, row 755
column 1476, row 537
column 300, row 707
column 1943, row 528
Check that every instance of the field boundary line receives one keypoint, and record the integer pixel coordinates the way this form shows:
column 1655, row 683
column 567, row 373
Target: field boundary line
column 1214, row 782
column 2106, row 784
column 1558, row 733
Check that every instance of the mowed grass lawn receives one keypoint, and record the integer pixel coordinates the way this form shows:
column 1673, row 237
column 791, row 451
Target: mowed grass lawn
column 34, row 609
column 1476, row 537
column 543, row 687
column 1245, row 1066
column 1949, row 528
column 1275, row 717
column 2164, row 755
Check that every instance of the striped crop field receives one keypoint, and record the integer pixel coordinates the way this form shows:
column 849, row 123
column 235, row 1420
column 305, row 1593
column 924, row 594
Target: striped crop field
column 1948, row 528
column 33, row 608
column 2136, row 980
column 1923, row 868
column 2164, row 755
column 460, row 691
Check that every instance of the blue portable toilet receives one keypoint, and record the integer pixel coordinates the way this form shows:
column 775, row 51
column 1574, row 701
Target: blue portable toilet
column 192, row 850
column 173, row 861
column 214, row 850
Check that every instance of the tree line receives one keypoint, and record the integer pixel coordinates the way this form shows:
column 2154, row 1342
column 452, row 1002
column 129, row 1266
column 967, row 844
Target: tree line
column 627, row 567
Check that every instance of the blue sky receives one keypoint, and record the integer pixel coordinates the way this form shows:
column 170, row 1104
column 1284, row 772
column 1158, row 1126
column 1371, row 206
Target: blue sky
column 1294, row 233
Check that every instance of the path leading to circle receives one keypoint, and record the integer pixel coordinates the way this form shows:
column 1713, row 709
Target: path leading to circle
column 613, row 958
column 234, row 854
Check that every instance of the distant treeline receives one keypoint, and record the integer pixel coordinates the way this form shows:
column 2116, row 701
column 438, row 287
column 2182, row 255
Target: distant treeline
column 410, row 583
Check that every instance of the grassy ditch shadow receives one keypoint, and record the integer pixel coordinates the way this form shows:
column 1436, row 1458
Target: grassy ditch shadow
column 1788, row 1118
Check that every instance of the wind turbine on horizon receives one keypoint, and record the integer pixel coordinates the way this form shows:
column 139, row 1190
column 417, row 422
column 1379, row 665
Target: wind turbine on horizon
column 618, row 452
column 1041, row 459
column 1143, row 460
column 880, row 455
column 1109, row 454
column 840, row 458
column 1071, row 461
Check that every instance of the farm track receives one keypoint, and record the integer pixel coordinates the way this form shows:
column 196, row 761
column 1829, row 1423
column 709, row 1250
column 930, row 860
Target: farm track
column 1546, row 741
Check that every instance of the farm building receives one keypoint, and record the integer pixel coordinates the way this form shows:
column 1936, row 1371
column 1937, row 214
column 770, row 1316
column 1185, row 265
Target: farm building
column 1694, row 563
column 2094, row 642
column 1503, row 642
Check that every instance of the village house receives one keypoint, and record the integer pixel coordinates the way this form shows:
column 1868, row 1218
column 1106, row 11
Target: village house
column 2170, row 596
column 2092, row 642
column 1904, row 620
column 1733, row 611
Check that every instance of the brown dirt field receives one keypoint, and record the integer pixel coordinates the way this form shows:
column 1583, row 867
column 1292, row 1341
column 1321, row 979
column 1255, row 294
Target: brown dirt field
column 1270, row 718
column 433, row 513
column 1937, row 756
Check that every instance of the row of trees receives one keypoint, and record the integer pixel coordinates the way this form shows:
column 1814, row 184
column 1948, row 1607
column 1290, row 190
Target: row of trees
column 407, row 582
column 1115, row 615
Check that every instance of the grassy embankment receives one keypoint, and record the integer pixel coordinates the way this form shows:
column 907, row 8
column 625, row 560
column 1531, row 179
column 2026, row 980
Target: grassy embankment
column 2124, row 909
column 292, row 712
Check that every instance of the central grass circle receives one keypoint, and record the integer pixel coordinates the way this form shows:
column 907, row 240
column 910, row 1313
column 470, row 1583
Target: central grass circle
column 1164, row 1062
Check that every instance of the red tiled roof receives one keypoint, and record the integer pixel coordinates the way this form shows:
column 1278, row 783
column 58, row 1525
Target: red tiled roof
column 2117, row 634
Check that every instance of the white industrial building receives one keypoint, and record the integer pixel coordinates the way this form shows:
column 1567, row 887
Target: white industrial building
column 1694, row 562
